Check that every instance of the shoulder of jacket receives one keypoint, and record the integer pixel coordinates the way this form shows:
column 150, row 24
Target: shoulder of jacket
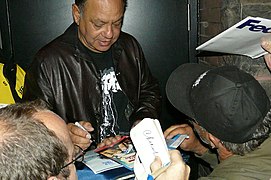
column 127, row 37
column 64, row 43
column 127, row 41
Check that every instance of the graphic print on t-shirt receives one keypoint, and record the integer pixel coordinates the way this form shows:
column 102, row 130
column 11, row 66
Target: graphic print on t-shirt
column 109, row 85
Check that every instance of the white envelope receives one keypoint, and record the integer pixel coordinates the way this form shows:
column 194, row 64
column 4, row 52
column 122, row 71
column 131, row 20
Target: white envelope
column 148, row 139
column 243, row 38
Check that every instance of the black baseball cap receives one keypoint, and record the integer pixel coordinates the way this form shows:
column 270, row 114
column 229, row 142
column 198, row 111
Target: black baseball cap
column 226, row 101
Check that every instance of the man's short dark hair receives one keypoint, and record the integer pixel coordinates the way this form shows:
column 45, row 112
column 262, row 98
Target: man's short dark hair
column 81, row 3
column 28, row 149
column 259, row 136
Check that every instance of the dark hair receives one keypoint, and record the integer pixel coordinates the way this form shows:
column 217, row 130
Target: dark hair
column 81, row 3
column 28, row 149
column 258, row 137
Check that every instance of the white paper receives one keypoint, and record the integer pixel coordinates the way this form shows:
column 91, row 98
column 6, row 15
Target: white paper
column 149, row 142
column 98, row 164
column 176, row 141
column 139, row 170
column 244, row 38
column 3, row 105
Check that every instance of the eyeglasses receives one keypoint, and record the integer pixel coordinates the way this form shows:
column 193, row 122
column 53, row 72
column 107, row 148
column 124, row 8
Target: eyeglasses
column 201, row 132
column 78, row 156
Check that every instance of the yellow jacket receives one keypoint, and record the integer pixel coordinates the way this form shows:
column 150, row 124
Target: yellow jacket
column 6, row 96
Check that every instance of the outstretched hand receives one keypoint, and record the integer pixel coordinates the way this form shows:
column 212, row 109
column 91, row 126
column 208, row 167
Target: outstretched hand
column 109, row 141
column 192, row 143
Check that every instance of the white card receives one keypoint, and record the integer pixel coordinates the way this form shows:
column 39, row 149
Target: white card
column 98, row 164
column 148, row 139
column 243, row 38
column 176, row 141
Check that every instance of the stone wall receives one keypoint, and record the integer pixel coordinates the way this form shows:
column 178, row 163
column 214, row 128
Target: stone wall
column 216, row 16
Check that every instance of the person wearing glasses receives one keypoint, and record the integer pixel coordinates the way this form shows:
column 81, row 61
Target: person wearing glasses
column 35, row 144
column 229, row 120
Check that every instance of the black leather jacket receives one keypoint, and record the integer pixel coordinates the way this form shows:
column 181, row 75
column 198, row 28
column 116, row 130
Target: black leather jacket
column 61, row 76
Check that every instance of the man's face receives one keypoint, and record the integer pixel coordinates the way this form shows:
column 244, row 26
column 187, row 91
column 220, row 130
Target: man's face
column 56, row 124
column 99, row 23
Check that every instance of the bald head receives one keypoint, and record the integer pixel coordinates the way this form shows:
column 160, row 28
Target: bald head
column 28, row 149
column 56, row 124
column 59, row 127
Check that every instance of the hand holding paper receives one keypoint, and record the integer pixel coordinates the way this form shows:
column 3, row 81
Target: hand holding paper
column 244, row 38
column 149, row 142
column 176, row 170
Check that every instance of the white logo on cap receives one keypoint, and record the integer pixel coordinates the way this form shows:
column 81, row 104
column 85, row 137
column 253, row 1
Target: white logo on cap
column 199, row 79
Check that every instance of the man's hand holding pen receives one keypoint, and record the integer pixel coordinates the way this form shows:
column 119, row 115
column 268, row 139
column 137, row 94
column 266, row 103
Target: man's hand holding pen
column 80, row 133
